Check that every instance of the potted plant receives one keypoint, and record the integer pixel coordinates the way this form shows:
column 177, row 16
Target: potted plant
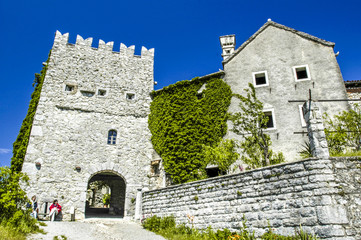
column 106, row 200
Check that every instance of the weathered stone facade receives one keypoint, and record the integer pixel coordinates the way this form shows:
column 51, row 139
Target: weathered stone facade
column 88, row 92
column 323, row 195
column 277, row 52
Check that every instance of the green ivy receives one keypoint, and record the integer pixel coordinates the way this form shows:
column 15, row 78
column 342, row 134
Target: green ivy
column 182, row 120
column 21, row 143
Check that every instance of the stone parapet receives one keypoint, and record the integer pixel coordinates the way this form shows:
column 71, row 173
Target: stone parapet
column 322, row 195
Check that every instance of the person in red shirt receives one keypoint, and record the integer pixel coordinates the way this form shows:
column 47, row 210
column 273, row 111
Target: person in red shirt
column 55, row 209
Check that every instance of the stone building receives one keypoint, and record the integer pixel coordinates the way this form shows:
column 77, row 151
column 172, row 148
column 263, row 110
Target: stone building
column 91, row 124
column 353, row 89
column 284, row 64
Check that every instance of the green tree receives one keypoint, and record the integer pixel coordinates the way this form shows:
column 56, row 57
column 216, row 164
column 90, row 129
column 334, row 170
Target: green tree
column 223, row 155
column 13, row 200
column 343, row 131
column 251, row 123
column 21, row 143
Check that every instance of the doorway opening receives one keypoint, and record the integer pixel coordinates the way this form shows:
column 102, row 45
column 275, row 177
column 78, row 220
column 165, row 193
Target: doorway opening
column 105, row 195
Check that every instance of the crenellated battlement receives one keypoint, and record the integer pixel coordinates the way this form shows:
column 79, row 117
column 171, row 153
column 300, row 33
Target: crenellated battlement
column 63, row 39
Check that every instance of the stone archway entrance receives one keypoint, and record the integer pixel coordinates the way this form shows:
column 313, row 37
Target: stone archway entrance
column 105, row 195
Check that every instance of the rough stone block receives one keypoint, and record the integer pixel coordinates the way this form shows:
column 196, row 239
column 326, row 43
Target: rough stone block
column 321, row 178
column 332, row 215
column 37, row 131
column 329, row 231
column 257, row 175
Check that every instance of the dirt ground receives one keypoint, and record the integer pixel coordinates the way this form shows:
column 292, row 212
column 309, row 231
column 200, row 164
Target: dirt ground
column 95, row 229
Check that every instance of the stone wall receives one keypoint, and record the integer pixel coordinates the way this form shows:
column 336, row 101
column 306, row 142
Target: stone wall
column 354, row 93
column 322, row 195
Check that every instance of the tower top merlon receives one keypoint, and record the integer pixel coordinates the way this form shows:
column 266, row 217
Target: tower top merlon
column 228, row 44
column 61, row 38
column 83, row 42
column 105, row 46
column 147, row 53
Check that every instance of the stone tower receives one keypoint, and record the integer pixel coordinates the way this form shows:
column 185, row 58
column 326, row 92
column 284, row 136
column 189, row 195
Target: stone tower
column 92, row 124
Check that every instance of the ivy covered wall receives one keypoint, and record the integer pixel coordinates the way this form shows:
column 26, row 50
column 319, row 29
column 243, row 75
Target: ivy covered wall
column 21, row 143
column 184, row 116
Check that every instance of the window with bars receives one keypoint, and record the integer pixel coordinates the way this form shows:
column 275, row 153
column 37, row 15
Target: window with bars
column 112, row 137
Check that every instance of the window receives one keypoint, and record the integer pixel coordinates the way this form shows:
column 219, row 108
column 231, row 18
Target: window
column 130, row 96
column 214, row 171
column 271, row 123
column 260, row 79
column 112, row 136
column 69, row 88
column 301, row 73
column 155, row 167
column 87, row 93
column 101, row 92
column 302, row 116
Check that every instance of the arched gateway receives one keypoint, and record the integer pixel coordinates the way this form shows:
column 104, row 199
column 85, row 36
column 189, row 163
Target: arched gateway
column 105, row 195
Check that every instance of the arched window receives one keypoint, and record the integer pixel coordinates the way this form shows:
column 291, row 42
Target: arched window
column 112, row 136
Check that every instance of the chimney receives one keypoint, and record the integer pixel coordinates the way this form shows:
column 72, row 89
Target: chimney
column 228, row 43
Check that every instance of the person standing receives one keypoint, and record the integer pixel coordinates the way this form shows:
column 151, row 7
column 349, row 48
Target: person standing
column 34, row 207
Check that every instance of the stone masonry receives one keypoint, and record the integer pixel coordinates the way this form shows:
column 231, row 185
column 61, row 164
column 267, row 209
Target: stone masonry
column 316, row 133
column 87, row 92
column 323, row 195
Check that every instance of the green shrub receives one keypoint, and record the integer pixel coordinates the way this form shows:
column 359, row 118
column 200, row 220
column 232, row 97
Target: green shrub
column 13, row 214
column 343, row 131
column 306, row 151
column 106, row 198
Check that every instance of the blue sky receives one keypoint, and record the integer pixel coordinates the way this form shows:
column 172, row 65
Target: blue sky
column 185, row 35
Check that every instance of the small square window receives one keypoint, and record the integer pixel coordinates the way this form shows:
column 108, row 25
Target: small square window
column 101, row 92
column 271, row 123
column 260, row 79
column 130, row 96
column 301, row 73
column 69, row 88
column 87, row 93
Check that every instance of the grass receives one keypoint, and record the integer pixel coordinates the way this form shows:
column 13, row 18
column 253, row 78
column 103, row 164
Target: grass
column 347, row 154
column 20, row 232
column 61, row 237
column 167, row 228
column 7, row 233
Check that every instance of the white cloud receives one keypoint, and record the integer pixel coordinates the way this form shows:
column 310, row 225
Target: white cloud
column 4, row 150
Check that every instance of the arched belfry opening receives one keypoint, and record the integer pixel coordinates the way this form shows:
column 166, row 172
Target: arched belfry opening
column 105, row 195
